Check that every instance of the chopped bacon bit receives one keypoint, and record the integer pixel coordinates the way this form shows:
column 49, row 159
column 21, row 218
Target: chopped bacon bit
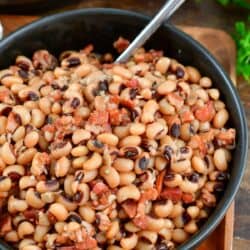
column 31, row 214
column 114, row 99
column 159, row 181
column 100, row 188
column 5, row 224
column 172, row 119
column 49, row 128
column 187, row 198
column 150, row 194
column 87, row 49
column 175, row 100
column 207, row 136
column 228, row 136
column 121, row 44
column 88, row 244
column 205, row 113
column 115, row 117
column 130, row 208
column 174, row 194
column 196, row 142
column 99, row 117
column 187, row 116
column 133, row 83
column 141, row 221
column 127, row 103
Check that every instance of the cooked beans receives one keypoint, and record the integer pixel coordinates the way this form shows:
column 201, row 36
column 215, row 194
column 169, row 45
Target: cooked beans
column 95, row 156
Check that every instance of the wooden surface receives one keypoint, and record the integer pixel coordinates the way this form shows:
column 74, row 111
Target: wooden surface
column 222, row 47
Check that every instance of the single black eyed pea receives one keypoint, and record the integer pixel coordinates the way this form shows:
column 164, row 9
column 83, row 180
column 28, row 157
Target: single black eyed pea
column 194, row 75
column 165, row 108
column 162, row 64
column 179, row 235
column 59, row 226
column 121, row 131
column 129, row 242
column 149, row 111
column 221, row 158
column 193, row 211
column 205, row 82
column 7, row 154
column 48, row 197
column 156, row 130
column 220, row 118
column 123, row 164
column 128, row 192
column 60, row 150
column 5, row 184
column 137, row 128
column 127, row 178
column 47, row 186
column 19, row 133
column 40, row 233
column 67, row 203
column 16, row 169
column 59, row 211
column 8, row 81
column 131, row 140
column 94, row 162
column 176, row 211
column 16, row 205
column 199, row 165
column 108, row 138
column 33, row 199
column 214, row 93
column 181, row 166
column 110, row 175
column 191, row 227
column 11, row 236
column 78, row 162
column 62, row 166
column 163, row 209
column 79, row 151
column 80, row 135
column 122, row 72
column 113, row 230
column 166, row 87
column 186, row 131
column 3, row 122
column 45, row 105
column 24, row 114
column 26, row 242
column 25, row 228
column 31, row 247
column 37, row 118
column 87, row 213
column 155, row 224
column 68, row 184
column 31, row 139
column 26, row 157
column 27, row 181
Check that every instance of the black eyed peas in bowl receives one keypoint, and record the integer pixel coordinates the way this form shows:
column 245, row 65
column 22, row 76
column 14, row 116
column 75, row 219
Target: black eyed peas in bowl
column 97, row 155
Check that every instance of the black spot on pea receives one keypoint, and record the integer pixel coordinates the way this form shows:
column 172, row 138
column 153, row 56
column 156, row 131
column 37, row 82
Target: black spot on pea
column 78, row 197
column 132, row 93
column 168, row 151
column 175, row 130
column 75, row 102
column 186, row 218
column 162, row 246
column 24, row 74
column 143, row 163
column 194, row 177
column 98, row 144
column 184, row 150
column 73, row 61
column 33, row 96
column 103, row 86
column 74, row 217
column 222, row 176
column 180, row 72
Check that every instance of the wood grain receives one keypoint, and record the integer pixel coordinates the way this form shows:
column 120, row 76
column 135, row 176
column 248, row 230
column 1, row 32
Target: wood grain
column 222, row 47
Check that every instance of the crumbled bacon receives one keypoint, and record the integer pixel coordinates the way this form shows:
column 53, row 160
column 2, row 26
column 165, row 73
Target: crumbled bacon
column 121, row 44
column 174, row 194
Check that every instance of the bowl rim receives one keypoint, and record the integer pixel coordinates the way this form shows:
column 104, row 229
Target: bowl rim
column 214, row 219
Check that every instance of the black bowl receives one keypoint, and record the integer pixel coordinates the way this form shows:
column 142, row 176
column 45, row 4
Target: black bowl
column 75, row 29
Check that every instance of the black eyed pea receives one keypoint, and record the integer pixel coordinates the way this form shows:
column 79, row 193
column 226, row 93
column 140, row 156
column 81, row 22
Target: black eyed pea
column 19, row 134
column 108, row 138
column 113, row 230
column 11, row 236
column 56, row 108
column 149, row 111
column 59, row 211
column 8, row 81
column 87, row 213
column 221, row 118
column 25, row 228
column 83, row 70
column 122, row 72
column 176, row 211
column 191, row 227
column 82, row 195
column 137, row 128
column 131, row 140
column 94, row 162
column 5, row 184
column 121, row 131
column 221, row 158
column 193, row 211
column 165, row 108
column 48, row 197
column 204, row 126
column 61, row 149
column 214, row 93
column 162, row 65
column 27, row 181
column 165, row 233
column 205, row 82
column 45, row 105
column 62, row 166
column 128, row 192
column 31, row 247
column 131, row 227
column 31, row 139
column 189, row 186
column 155, row 224
column 37, row 118
column 69, row 204
column 59, row 226
column 199, row 165
column 47, row 186
column 33, row 199
column 26, row 242
column 194, row 75
column 143, row 245
column 80, row 135
column 7, row 153
column 123, row 164
column 179, row 235
column 68, row 184
column 129, row 242
column 218, row 105
column 79, row 151
column 181, row 166
column 24, row 114
column 89, row 175
column 110, row 175
column 127, row 178
column 156, row 130
column 166, row 87
column 163, row 209
column 146, row 93
column 160, row 163
column 26, row 157
column 15, row 169
column 78, row 162
column 40, row 233
column 16, row 205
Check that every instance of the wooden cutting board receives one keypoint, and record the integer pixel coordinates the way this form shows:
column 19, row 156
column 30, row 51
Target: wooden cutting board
column 221, row 45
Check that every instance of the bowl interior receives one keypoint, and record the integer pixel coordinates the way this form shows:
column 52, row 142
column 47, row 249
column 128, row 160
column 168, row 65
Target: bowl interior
column 75, row 29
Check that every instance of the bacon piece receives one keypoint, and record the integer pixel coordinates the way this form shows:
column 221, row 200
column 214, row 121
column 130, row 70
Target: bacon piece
column 205, row 113
column 5, row 224
column 187, row 116
column 88, row 244
column 100, row 188
column 133, row 83
column 150, row 194
column 187, row 198
column 159, row 181
column 115, row 117
column 130, row 208
column 99, row 117
column 121, row 44
column 174, row 194
column 87, row 49
column 141, row 221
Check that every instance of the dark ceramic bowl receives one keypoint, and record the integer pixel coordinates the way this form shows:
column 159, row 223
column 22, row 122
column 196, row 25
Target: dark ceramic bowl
column 74, row 29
